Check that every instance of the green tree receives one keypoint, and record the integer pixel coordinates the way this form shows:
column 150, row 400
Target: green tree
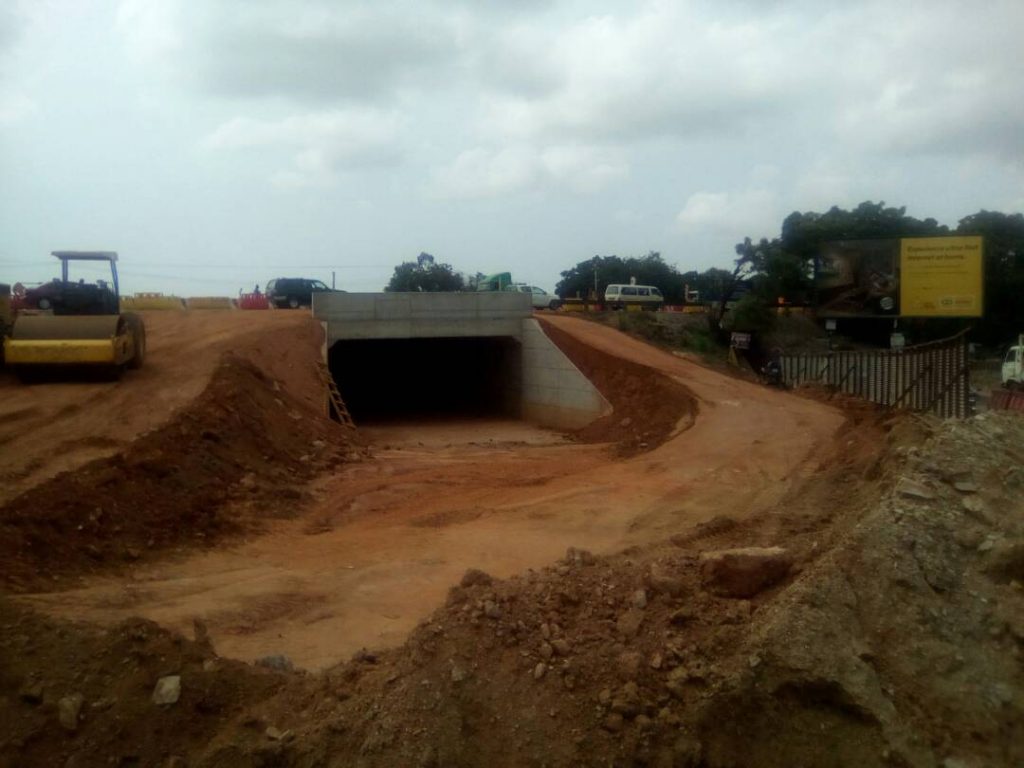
column 709, row 284
column 602, row 271
column 1004, row 274
column 424, row 274
column 804, row 233
column 784, row 266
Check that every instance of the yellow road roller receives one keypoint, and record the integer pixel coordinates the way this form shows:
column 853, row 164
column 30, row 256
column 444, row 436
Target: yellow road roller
column 68, row 323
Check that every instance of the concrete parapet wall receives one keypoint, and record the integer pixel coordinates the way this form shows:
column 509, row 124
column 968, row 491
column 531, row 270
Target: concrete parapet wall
column 554, row 391
column 210, row 302
column 420, row 315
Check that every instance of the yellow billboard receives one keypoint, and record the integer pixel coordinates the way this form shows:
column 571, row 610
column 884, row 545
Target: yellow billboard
column 941, row 277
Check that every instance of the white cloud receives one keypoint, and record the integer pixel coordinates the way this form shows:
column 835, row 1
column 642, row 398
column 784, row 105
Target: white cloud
column 321, row 145
column 486, row 173
column 15, row 106
column 748, row 210
column 483, row 172
column 151, row 30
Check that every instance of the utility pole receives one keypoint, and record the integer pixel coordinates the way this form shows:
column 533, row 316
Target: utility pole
column 332, row 279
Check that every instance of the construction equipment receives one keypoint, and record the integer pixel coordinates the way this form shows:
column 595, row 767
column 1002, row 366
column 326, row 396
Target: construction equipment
column 69, row 323
column 6, row 315
column 496, row 282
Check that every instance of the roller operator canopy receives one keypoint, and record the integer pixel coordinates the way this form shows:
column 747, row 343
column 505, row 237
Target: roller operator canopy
column 86, row 255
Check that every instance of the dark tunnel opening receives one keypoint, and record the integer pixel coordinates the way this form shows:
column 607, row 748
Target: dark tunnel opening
column 384, row 380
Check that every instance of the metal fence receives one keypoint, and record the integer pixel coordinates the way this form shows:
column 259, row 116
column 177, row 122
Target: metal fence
column 931, row 377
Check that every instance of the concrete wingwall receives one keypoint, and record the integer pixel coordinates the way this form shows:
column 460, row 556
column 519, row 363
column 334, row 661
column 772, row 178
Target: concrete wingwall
column 554, row 391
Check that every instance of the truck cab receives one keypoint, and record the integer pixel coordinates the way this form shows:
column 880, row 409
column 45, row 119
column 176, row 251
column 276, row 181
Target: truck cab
column 1013, row 366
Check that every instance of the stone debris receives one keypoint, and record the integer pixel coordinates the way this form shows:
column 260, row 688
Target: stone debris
column 31, row 692
column 69, row 709
column 278, row 661
column 913, row 489
column 167, row 690
column 744, row 572
column 474, row 578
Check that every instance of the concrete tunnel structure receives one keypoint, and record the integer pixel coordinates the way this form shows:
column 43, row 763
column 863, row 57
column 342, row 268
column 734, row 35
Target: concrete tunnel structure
column 421, row 356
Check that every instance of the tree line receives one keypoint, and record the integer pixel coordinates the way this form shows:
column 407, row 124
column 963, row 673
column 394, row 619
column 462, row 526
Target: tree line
column 767, row 269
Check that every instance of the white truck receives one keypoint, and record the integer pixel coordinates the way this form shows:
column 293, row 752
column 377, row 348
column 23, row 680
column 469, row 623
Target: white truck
column 1013, row 366
column 540, row 298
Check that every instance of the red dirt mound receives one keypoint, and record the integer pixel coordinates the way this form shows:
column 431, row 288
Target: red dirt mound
column 241, row 451
column 648, row 404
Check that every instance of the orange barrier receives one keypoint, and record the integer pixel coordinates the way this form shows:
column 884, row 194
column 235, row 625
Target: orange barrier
column 1007, row 400
column 253, row 301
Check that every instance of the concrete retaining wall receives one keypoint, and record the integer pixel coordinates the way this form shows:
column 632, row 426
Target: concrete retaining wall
column 554, row 391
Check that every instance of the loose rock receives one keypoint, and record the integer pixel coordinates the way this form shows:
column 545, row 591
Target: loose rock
column 278, row 661
column 629, row 623
column 475, row 577
column 68, row 710
column 167, row 690
column 612, row 723
column 912, row 489
column 744, row 572
column 31, row 692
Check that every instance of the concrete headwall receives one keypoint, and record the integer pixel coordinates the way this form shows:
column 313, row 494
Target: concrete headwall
column 420, row 315
column 554, row 391
column 548, row 388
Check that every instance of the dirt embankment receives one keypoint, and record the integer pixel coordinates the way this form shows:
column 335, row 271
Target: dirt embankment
column 887, row 633
column 649, row 407
column 242, row 451
column 61, row 425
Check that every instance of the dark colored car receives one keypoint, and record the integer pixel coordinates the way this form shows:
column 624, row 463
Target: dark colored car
column 68, row 298
column 293, row 292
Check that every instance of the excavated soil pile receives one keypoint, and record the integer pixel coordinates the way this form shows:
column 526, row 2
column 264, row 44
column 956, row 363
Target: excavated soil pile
column 874, row 620
column 243, row 450
column 649, row 407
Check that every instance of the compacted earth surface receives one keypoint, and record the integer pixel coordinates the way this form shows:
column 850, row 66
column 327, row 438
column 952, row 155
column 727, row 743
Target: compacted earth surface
column 199, row 569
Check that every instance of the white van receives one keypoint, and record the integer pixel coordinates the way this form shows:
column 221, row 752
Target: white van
column 644, row 296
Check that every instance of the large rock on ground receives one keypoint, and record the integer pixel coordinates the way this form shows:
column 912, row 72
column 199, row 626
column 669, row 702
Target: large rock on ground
column 744, row 572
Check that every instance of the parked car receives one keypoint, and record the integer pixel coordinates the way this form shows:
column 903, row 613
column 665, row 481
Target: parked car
column 644, row 296
column 540, row 298
column 293, row 292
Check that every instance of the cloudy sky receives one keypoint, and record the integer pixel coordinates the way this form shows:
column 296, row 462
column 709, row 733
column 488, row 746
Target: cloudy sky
column 217, row 143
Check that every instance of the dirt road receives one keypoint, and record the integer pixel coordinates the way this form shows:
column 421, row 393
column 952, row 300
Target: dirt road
column 386, row 538
column 57, row 426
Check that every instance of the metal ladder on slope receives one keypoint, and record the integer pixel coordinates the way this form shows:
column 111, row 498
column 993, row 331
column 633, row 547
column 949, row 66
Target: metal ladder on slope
column 336, row 402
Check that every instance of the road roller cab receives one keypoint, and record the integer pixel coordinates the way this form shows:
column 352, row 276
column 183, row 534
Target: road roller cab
column 69, row 323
